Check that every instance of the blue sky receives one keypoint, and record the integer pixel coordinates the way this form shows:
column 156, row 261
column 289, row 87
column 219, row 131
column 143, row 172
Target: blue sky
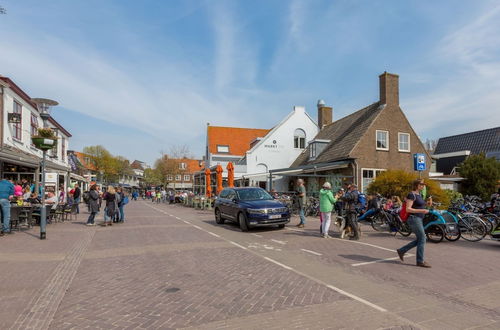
column 142, row 76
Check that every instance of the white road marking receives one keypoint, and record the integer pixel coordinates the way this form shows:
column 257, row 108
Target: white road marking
column 350, row 241
column 279, row 242
column 236, row 244
column 198, row 227
column 177, row 218
column 278, row 263
column 361, row 300
column 186, row 222
column 213, row 234
column 309, row 251
column 379, row 260
column 257, row 235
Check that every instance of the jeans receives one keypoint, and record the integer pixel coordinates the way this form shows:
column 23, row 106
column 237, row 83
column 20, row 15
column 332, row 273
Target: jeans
column 77, row 202
column 417, row 226
column 302, row 216
column 91, row 218
column 106, row 217
column 325, row 225
column 122, row 213
column 5, row 204
column 367, row 214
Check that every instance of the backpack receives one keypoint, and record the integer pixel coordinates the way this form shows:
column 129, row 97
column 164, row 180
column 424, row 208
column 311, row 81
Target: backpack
column 402, row 213
column 125, row 200
column 362, row 200
column 86, row 197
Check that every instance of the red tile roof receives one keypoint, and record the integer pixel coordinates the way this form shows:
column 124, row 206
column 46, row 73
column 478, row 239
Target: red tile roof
column 238, row 139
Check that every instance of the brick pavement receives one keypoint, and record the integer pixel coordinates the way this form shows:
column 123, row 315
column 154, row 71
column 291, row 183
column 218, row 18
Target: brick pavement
column 156, row 271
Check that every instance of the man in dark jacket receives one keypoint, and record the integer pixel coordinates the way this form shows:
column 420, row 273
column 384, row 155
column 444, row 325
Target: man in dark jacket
column 77, row 196
column 93, row 204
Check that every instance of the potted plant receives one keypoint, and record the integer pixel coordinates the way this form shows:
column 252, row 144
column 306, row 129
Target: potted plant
column 45, row 139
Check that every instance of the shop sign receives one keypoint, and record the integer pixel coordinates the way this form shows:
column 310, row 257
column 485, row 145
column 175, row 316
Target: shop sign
column 51, row 177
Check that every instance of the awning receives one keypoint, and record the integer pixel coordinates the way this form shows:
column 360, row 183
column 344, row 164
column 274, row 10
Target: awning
column 311, row 168
column 77, row 177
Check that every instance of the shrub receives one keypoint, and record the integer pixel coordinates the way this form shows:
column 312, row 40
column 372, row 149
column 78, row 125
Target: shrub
column 46, row 133
column 481, row 175
column 399, row 183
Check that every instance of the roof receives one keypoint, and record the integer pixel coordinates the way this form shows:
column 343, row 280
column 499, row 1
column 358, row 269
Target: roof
column 343, row 134
column 83, row 160
column 238, row 139
column 486, row 141
column 192, row 165
column 137, row 164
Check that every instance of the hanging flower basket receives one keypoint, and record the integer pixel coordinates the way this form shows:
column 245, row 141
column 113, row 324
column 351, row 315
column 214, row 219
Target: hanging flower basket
column 45, row 139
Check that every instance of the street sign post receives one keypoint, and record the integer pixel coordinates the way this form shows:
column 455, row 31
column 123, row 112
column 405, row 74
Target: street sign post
column 419, row 163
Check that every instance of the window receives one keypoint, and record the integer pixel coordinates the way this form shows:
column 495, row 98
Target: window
column 404, row 142
column 382, row 140
column 223, row 148
column 187, row 177
column 34, row 125
column 182, row 166
column 18, row 108
column 299, row 139
column 224, row 193
column 178, row 177
column 368, row 176
column 316, row 147
column 170, row 177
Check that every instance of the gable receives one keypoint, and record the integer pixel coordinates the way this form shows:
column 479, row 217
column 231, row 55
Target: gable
column 343, row 134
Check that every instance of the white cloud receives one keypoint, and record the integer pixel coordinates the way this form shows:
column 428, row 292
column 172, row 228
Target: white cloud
column 468, row 98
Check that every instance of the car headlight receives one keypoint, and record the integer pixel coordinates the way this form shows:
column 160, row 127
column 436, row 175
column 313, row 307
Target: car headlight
column 257, row 211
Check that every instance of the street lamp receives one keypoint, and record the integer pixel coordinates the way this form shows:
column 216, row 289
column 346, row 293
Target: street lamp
column 43, row 106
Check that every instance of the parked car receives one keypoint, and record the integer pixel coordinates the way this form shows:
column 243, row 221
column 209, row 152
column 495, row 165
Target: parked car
column 250, row 207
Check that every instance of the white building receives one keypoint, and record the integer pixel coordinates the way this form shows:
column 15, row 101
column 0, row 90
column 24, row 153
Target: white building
column 279, row 148
column 19, row 159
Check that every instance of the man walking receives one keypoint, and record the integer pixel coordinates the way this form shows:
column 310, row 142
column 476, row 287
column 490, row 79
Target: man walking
column 77, row 196
column 6, row 194
column 301, row 194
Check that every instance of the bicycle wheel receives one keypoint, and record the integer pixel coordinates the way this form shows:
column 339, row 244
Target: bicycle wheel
column 472, row 228
column 434, row 233
column 404, row 229
column 379, row 223
column 452, row 237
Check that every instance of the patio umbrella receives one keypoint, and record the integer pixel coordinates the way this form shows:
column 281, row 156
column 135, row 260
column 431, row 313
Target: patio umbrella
column 207, row 182
column 230, row 174
column 219, row 171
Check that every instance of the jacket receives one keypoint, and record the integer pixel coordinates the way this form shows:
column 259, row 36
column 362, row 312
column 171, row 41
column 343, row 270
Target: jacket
column 94, row 201
column 326, row 200
column 6, row 189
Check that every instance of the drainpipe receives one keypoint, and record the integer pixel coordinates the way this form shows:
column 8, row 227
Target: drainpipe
column 356, row 173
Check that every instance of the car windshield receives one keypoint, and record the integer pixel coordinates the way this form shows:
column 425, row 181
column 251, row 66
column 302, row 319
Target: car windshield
column 253, row 194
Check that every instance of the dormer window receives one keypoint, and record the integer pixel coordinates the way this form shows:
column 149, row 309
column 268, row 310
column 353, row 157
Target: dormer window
column 299, row 139
column 182, row 166
column 224, row 149
column 316, row 147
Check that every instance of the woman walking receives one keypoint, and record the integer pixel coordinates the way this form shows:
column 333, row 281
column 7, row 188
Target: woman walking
column 121, row 204
column 111, row 207
column 326, row 202
column 93, row 204
column 415, row 207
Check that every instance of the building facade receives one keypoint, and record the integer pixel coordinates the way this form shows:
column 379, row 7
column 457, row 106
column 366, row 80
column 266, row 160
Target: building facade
column 19, row 159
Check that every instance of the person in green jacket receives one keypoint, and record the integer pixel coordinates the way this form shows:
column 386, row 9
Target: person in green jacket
column 326, row 202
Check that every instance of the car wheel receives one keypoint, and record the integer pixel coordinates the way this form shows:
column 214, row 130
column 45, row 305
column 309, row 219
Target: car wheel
column 218, row 217
column 242, row 221
column 281, row 226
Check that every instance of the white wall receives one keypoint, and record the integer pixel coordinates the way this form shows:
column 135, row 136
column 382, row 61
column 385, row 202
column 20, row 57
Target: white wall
column 276, row 149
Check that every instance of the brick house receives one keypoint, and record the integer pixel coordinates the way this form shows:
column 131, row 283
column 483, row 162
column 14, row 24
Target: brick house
column 356, row 148
column 180, row 172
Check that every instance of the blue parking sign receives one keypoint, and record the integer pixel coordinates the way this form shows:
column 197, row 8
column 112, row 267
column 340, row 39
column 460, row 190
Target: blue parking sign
column 419, row 162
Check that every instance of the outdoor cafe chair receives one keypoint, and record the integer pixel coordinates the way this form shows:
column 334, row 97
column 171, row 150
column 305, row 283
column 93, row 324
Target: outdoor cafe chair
column 70, row 212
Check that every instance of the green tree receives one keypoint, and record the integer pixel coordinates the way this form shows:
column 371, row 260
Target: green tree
column 399, row 183
column 481, row 175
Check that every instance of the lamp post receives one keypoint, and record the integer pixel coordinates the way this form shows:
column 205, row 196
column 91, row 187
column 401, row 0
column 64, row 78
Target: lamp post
column 43, row 106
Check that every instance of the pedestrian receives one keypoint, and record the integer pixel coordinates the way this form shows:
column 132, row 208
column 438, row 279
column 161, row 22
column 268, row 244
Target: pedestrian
column 301, row 194
column 77, row 196
column 93, row 204
column 111, row 207
column 61, row 194
column 121, row 204
column 6, row 194
column 326, row 202
column 158, row 197
column 415, row 207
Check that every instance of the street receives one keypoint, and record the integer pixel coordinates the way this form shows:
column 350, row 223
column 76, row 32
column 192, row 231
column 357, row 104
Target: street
column 173, row 267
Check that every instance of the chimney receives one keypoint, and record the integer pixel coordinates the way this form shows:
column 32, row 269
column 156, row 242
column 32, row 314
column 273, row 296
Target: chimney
column 389, row 88
column 325, row 114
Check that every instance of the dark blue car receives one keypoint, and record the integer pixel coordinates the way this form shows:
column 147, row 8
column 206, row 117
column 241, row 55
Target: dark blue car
column 250, row 207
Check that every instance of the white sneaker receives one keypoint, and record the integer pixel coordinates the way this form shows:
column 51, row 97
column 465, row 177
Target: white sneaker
column 89, row 224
